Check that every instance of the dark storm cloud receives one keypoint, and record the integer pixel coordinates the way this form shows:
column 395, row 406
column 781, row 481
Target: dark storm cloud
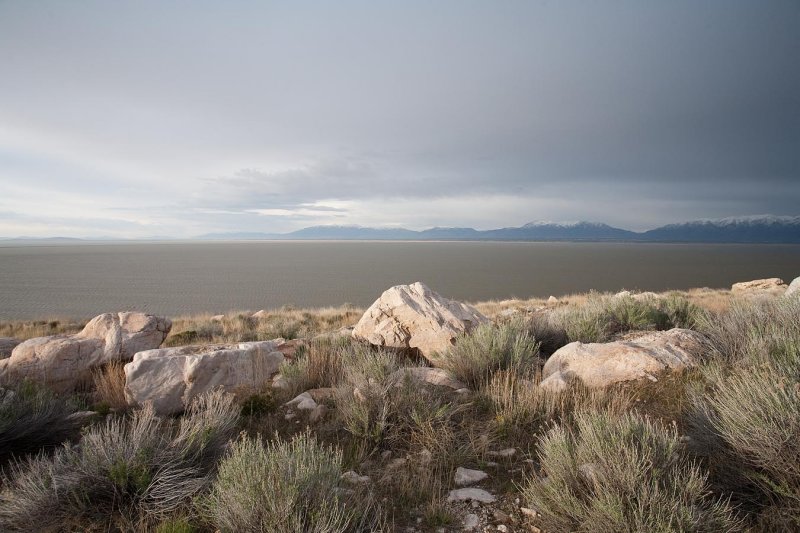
column 228, row 116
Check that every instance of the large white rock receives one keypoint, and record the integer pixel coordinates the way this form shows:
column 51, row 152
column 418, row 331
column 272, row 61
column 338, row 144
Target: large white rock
column 759, row 286
column 415, row 317
column 171, row 377
column 65, row 361
column 602, row 364
column 794, row 287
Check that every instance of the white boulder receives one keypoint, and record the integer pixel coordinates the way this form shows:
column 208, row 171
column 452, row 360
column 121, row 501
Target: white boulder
column 65, row 361
column 415, row 317
column 602, row 364
column 437, row 377
column 794, row 287
column 171, row 378
column 478, row 495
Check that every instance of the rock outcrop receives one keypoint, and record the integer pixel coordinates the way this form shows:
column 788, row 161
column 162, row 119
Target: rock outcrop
column 415, row 317
column 171, row 377
column 774, row 286
column 603, row 364
column 65, row 361
column 7, row 345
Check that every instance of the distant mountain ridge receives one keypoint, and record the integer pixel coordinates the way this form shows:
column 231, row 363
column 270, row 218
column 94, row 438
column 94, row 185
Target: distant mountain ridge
column 749, row 229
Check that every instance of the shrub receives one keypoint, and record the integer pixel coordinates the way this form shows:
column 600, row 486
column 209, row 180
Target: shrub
column 489, row 348
column 748, row 424
column 137, row 467
column 283, row 487
column 601, row 318
column 31, row 418
column 622, row 473
column 319, row 365
column 548, row 332
column 750, row 330
column 522, row 409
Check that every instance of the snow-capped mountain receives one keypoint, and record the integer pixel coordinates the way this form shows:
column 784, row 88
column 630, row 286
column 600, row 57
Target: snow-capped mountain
column 760, row 228
column 757, row 228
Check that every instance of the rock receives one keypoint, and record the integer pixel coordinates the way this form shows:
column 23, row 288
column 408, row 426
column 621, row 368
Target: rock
column 502, row 528
column 415, row 317
column 81, row 417
column 602, row 364
column 530, row 513
column 309, row 400
column 465, row 476
column 471, row 522
column 7, row 345
column 318, row 413
column 438, row 377
column 623, row 294
column 290, row 348
column 218, row 318
column 794, row 287
column 758, row 286
column 552, row 300
column 354, row 479
column 504, row 453
column 478, row 495
column 260, row 314
column 172, row 377
column 64, row 362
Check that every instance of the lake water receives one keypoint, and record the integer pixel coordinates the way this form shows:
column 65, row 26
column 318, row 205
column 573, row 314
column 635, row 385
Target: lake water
column 83, row 280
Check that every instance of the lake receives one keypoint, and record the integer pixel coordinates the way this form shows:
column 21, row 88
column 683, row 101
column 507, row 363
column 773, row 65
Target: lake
column 171, row 278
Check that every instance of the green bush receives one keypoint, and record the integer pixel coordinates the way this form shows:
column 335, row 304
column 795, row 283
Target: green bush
column 622, row 473
column 130, row 469
column 321, row 364
column 32, row 418
column 283, row 487
column 489, row 348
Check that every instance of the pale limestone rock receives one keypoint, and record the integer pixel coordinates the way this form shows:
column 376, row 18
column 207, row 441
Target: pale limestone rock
column 794, row 287
column 218, row 318
column 7, row 345
column 602, row 364
column 310, row 399
column 65, row 361
column 415, row 317
column 760, row 286
column 552, row 300
column 261, row 314
column 438, row 377
column 471, row 493
column 171, row 378
column 466, row 476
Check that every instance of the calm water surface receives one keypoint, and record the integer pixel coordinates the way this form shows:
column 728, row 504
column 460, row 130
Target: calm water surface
column 82, row 280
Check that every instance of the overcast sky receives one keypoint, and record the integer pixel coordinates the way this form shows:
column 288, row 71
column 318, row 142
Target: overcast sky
column 137, row 119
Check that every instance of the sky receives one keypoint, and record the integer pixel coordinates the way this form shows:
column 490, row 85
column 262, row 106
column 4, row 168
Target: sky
column 142, row 119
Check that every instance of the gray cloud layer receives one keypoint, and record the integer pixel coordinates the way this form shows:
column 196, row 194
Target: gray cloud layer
column 255, row 116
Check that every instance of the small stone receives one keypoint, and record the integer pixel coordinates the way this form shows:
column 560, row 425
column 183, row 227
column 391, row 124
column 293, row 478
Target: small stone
column 354, row 479
column 552, row 300
column 218, row 318
column 530, row 513
column 303, row 402
column 471, row 521
column 465, row 476
column 501, row 517
column 505, row 453
column 479, row 495
column 502, row 527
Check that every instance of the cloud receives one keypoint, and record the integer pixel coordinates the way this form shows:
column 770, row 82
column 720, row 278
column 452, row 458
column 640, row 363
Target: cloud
column 256, row 116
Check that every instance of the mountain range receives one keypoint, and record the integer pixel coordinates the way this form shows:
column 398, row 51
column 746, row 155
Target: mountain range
column 750, row 229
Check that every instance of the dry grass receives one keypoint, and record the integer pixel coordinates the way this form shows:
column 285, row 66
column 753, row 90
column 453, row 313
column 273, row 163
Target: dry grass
column 28, row 329
column 109, row 386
